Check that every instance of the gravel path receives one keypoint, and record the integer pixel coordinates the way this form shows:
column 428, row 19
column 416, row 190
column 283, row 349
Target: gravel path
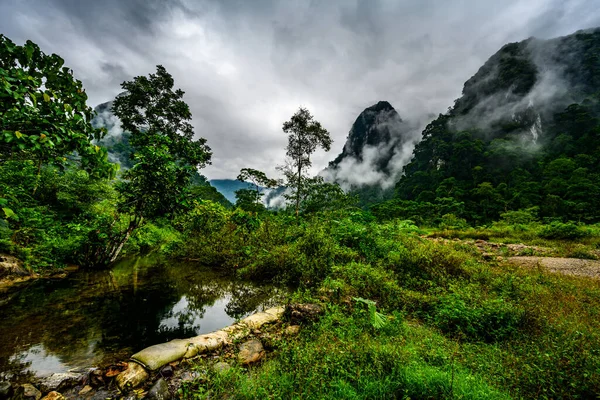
column 567, row 266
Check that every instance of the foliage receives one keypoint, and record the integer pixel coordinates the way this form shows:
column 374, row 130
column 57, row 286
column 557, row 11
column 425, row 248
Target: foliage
column 377, row 319
column 164, row 152
column 43, row 112
column 250, row 199
column 488, row 161
column 305, row 135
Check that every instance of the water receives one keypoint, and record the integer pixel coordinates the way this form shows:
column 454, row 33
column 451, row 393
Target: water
column 94, row 318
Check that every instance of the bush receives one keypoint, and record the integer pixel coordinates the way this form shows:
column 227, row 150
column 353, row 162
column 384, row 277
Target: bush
column 565, row 231
column 490, row 320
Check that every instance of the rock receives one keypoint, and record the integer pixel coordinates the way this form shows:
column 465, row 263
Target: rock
column 304, row 312
column 86, row 389
column 28, row 392
column 159, row 391
column 221, row 366
column 11, row 267
column 6, row 390
column 488, row 256
column 188, row 376
column 59, row 381
column 167, row 371
column 132, row 377
column 54, row 396
column 251, row 352
column 292, row 330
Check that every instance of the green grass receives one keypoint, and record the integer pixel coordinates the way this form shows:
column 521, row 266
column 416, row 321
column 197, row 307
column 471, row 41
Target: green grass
column 457, row 328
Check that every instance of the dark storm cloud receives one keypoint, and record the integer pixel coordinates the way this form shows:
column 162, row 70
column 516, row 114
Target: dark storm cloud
column 246, row 66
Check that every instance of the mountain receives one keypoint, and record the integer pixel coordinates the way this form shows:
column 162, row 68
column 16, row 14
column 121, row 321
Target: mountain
column 227, row 187
column 373, row 153
column 524, row 135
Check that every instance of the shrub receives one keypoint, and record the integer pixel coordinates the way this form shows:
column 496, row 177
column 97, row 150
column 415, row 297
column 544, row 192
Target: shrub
column 566, row 231
column 489, row 320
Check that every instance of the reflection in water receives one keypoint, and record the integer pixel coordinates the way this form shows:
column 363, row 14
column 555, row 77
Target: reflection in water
column 99, row 317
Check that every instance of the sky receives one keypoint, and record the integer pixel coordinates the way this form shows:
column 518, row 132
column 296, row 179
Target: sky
column 247, row 65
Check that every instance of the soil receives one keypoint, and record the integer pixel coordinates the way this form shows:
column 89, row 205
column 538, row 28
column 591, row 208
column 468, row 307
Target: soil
column 566, row 266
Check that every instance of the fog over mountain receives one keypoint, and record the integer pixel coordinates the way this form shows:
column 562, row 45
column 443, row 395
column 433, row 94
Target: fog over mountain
column 247, row 66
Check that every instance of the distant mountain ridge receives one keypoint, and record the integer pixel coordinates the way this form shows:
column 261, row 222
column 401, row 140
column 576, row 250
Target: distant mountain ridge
column 525, row 134
column 227, row 187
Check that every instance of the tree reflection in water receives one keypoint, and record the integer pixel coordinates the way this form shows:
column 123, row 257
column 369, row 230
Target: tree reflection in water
column 97, row 317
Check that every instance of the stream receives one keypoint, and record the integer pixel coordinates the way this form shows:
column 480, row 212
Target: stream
column 94, row 318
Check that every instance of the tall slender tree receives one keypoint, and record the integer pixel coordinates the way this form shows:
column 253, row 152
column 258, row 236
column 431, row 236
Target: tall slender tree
column 305, row 135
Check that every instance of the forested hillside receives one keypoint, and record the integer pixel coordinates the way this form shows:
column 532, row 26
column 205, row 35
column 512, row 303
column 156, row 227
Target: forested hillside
column 525, row 135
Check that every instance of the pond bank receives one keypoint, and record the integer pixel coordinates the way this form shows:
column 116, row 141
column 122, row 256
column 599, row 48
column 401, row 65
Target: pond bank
column 165, row 368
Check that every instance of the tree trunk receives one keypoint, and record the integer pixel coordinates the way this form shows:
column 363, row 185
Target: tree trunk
column 298, row 189
column 117, row 247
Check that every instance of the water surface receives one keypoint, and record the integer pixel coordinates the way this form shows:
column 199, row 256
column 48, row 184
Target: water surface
column 93, row 318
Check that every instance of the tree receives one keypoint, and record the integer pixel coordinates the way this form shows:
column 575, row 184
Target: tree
column 326, row 196
column 165, row 155
column 43, row 111
column 249, row 199
column 305, row 135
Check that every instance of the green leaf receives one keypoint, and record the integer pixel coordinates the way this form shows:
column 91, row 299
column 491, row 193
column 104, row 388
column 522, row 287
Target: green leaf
column 46, row 97
column 18, row 134
column 10, row 213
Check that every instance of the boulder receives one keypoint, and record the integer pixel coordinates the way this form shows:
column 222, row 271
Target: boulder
column 59, row 381
column 132, row 377
column 251, row 352
column 11, row 267
column 54, row 396
column 159, row 391
column 304, row 312
column 28, row 392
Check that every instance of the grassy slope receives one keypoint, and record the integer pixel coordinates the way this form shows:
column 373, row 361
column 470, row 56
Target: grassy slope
column 458, row 327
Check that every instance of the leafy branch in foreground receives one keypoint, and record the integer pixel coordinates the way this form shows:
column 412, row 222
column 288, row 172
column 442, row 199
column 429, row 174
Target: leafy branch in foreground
column 377, row 319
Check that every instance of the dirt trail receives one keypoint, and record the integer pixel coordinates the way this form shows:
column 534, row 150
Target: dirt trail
column 567, row 266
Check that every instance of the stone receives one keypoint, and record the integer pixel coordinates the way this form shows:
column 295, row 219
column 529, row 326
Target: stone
column 59, row 381
column 221, row 367
column 86, row 389
column 188, row 376
column 6, row 390
column 167, row 371
column 54, row 396
column 251, row 352
column 132, row 377
column 292, row 330
column 28, row 392
column 304, row 312
column 11, row 267
column 159, row 391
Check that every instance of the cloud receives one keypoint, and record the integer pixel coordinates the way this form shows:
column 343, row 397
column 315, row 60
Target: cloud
column 247, row 66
